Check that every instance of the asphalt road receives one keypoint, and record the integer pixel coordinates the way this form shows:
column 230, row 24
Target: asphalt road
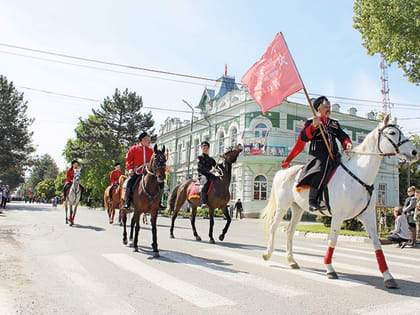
column 47, row 267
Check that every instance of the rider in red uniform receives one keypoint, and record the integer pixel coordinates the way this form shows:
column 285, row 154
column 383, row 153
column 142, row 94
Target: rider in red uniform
column 114, row 177
column 69, row 180
column 137, row 158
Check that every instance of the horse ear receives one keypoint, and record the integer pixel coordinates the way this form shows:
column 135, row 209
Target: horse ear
column 393, row 121
column 386, row 119
column 155, row 148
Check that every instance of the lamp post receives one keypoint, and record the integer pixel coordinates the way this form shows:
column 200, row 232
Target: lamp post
column 189, row 149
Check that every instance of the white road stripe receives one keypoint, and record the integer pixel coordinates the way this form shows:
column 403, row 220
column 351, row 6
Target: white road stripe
column 304, row 273
column 403, row 307
column 99, row 298
column 236, row 276
column 339, row 254
column 6, row 306
column 189, row 292
column 340, row 249
column 320, row 260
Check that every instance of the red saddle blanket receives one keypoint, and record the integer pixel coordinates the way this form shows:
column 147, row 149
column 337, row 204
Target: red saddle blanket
column 195, row 190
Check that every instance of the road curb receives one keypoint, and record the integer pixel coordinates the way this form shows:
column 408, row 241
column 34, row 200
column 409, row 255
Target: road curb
column 324, row 236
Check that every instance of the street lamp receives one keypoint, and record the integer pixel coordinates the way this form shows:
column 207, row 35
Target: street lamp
column 189, row 149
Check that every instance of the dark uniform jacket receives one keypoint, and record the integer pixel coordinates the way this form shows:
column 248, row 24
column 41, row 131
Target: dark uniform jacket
column 409, row 207
column 205, row 164
column 320, row 166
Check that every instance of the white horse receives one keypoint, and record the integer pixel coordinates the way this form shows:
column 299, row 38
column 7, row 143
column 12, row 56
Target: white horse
column 73, row 197
column 349, row 194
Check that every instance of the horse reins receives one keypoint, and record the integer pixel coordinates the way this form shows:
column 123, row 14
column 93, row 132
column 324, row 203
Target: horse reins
column 143, row 186
column 370, row 188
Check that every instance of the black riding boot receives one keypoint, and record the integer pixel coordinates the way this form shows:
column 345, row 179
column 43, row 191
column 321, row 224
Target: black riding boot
column 204, row 198
column 313, row 199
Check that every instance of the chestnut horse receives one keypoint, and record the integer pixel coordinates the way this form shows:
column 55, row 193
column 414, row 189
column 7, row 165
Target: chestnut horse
column 116, row 199
column 146, row 198
column 218, row 197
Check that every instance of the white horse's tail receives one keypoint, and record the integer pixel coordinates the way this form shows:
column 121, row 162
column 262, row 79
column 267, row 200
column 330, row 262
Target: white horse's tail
column 269, row 211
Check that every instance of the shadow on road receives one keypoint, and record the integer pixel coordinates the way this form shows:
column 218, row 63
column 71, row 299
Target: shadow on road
column 88, row 227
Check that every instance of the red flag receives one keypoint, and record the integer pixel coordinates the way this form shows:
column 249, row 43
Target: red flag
column 274, row 77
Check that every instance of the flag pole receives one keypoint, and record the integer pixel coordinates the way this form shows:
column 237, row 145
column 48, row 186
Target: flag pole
column 308, row 99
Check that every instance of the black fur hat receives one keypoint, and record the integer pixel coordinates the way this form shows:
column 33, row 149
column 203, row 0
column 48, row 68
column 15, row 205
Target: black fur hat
column 74, row 161
column 117, row 163
column 319, row 101
column 142, row 135
column 205, row 143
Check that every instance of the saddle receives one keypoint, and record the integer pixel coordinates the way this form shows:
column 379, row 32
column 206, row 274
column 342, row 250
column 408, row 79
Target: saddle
column 323, row 198
column 68, row 190
column 195, row 190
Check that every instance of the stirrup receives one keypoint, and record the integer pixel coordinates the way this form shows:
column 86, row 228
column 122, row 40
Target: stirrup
column 314, row 207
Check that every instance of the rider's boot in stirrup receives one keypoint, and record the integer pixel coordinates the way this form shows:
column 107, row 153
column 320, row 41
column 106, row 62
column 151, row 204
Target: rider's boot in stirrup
column 313, row 199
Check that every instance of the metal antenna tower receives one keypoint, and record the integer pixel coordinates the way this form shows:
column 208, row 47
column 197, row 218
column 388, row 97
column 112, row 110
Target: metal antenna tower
column 386, row 104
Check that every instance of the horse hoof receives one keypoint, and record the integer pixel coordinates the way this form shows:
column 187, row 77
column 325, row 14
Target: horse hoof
column 198, row 238
column 332, row 275
column 221, row 237
column 136, row 249
column 156, row 254
column 294, row 266
column 391, row 284
column 172, row 236
column 211, row 241
column 67, row 221
column 266, row 256
column 125, row 242
column 131, row 244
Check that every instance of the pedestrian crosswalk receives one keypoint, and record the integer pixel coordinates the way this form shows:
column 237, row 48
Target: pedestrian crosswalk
column 232, row 266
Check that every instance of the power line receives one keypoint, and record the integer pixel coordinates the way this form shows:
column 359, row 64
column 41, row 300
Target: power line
column 153, row 70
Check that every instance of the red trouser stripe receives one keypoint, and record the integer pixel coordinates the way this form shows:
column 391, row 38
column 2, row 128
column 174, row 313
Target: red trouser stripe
column 328, row 256
column 381, row 260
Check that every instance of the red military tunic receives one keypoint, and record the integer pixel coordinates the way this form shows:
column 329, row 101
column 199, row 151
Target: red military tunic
column 115, row 176
column 70, row 175
column 137, row 157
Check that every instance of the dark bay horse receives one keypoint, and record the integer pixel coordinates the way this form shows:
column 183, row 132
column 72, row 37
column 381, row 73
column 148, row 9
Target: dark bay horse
column 146, row 198
column 218, row 196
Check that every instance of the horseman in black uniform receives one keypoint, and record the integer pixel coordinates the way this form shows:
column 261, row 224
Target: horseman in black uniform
column 205, row 164
column 320, row 166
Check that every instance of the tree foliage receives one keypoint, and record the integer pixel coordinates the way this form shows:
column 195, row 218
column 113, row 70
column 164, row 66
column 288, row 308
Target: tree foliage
column 44, row 168
column 391, row 28
column 46, row 188
column 16, row 145
column 105, row 137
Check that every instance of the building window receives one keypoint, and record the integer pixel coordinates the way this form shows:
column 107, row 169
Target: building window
column 382, row 193
column 188, row 151
column 234, row 137
column 196, row 148
column 260, row 130
column 260, row 188
column 360, row 138
column 179, row 154
column 221, row 142
column 233, row 188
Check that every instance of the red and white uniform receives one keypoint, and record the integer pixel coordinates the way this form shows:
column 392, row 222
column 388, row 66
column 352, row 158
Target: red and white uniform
column 70, row 175
column 137, row 158
column 115, row 176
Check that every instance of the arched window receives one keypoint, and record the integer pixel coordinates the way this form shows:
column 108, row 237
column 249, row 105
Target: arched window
column 196, row 148
column 260, row 188
column 260, row 130
column 179, row 159
column 221, row 144
column 234, row 136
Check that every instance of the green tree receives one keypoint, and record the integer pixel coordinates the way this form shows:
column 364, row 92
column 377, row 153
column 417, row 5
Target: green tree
column 44, row 168
column 46, row 188
column 414, row 172
column 104, row 138
column 16, row 143
column 59, row 182
column 391, row 28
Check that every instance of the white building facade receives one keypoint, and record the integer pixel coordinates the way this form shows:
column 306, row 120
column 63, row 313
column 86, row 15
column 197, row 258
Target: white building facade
column 229, row 115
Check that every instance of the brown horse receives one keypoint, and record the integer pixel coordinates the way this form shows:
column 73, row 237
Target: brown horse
column 116, row 199
column 218, row 197
column 146, row 198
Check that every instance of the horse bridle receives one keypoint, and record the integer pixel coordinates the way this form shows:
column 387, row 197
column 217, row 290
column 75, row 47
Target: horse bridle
column 395, row 145
column 160, row 165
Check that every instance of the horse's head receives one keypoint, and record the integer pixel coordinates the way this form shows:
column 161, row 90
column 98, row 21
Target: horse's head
column 121, row 180
column 77, row 174
column 158, row 164
column 391, row 140
column 232, row 153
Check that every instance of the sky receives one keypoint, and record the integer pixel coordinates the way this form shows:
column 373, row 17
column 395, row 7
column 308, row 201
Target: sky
column 184, row 36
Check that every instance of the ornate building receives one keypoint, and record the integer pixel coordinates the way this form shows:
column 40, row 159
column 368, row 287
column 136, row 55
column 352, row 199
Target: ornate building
column 229, row 115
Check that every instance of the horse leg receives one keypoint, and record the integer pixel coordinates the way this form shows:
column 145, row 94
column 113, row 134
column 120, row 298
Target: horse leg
column 368, row 219
column 211, row 215
column 228, row 220
column 132, row 228
column 193, row 215
column 136, row 218
column 174, row 215
column 272, row 232
column 332, row 242
column 297, row 213
column 154, row 234
column 71, row 214
column 66, row 210
column 124, row 222
column 178, row 204
column 74, row 212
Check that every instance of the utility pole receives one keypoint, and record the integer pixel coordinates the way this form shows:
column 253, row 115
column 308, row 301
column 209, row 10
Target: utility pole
column 189, row 149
